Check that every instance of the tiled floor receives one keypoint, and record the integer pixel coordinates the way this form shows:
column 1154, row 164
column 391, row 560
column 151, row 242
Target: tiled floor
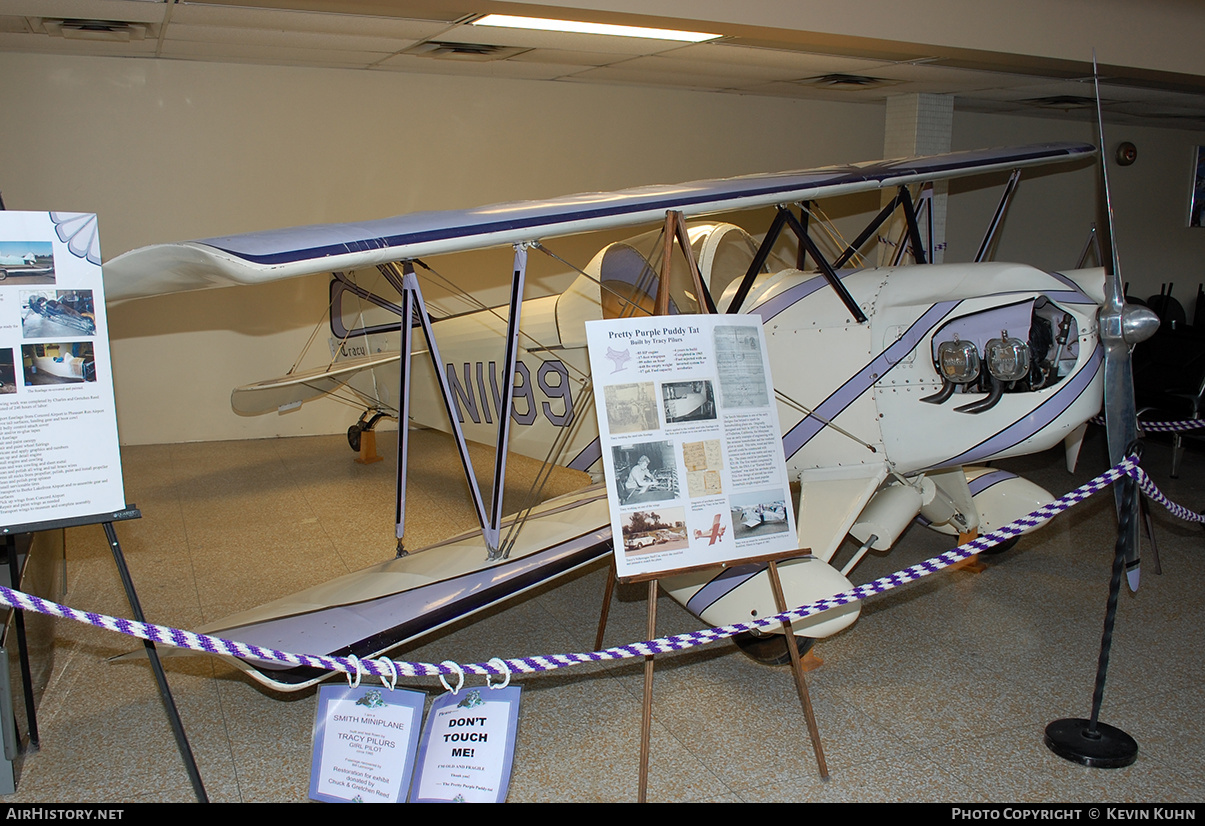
column 940, row 692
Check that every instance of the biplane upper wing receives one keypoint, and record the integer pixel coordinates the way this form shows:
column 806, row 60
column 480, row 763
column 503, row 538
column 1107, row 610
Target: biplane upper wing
column 260, row 257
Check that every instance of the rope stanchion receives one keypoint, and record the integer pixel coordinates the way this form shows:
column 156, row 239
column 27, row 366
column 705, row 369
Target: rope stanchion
column 528, row 665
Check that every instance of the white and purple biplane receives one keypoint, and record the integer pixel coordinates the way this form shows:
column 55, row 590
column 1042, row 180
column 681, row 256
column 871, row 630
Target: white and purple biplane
column 894, row 384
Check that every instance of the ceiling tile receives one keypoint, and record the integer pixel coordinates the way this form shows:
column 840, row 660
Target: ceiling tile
column 298, row 21
column 129, row 11
column 294, row 39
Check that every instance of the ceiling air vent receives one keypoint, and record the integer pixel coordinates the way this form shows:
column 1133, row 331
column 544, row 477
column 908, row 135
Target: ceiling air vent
column 476, row 52
column 1063, row 102
column 114, row 31
column 841, row 81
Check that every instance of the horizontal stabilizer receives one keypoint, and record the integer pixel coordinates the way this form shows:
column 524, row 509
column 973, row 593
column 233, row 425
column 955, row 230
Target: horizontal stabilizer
column 291, row 390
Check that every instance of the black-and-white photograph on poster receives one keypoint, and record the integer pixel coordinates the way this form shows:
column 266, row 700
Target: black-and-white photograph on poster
column 645, row 472
column 759, row 513
column 59, row 452
column 688, row 401
column 739, row 363
column 631, row 408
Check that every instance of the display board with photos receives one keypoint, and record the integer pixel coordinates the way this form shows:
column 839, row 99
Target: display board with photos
column 59, row 452
column 690, row 440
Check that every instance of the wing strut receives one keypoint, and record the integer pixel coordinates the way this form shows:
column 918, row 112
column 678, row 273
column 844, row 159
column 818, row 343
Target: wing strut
column 830, row 274
column 412, row 297
column 785, row 218
column 1005, row 199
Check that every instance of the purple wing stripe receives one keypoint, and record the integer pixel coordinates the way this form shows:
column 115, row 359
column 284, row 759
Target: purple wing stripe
column 982, row 483
column 725, row 583
column 285, row 246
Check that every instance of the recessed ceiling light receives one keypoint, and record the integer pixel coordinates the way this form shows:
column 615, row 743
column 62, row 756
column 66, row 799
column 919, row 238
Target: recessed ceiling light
column 540, row 24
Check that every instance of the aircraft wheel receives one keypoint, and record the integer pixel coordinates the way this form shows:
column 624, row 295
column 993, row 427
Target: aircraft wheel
column 353, row 436
column 1006, row 545
column 770, row 649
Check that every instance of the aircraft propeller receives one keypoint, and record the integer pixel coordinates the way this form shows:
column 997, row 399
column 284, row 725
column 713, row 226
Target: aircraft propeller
column 1122, row 326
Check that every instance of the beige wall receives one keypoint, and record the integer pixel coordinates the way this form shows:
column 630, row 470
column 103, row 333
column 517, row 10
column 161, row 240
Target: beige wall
column 167, row 151
column 1053, row 210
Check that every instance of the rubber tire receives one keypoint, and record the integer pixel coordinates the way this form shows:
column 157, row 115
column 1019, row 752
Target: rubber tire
column 771, row 649
column 353, row 436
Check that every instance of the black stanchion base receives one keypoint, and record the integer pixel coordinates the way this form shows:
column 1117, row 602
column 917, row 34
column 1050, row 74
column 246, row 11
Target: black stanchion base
column 1110, row 748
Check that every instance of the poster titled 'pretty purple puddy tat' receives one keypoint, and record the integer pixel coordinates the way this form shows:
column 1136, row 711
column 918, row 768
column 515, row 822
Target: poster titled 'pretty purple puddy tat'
column 59, row 451
column 695, row 469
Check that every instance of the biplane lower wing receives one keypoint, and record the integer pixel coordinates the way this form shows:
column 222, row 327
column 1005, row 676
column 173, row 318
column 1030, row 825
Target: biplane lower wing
column 373, row 611
column 379, row 608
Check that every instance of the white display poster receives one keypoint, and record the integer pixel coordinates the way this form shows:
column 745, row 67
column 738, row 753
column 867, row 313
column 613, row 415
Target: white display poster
column 59, row 453
column 468, row 747
column 365, row 739
column 690, row 441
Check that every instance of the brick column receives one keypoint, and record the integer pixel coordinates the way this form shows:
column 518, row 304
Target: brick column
column 918, row 124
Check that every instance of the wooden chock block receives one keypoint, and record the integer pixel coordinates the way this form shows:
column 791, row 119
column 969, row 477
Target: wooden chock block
column 368, row 448
column 971, row 563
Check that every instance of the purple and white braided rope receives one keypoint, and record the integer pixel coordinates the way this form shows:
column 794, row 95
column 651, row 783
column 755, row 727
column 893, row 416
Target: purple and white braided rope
column 1152, row 492
column 527, row 665
column 1161, row 427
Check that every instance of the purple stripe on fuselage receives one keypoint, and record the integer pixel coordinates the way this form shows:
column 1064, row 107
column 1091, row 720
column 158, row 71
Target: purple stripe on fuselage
column 1069, row 297
column 865, row 378
column 775, row 305
column 1070, row 282
column 1037, row 419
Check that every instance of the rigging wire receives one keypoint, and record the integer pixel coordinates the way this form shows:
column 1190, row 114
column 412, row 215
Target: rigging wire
column 474, row 301
column 313, row 335
column 790, row 402
column 626, row 301
column 832, row 234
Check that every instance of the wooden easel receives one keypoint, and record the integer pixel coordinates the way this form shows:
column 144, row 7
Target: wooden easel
column 646, row 718
column 675, row 231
